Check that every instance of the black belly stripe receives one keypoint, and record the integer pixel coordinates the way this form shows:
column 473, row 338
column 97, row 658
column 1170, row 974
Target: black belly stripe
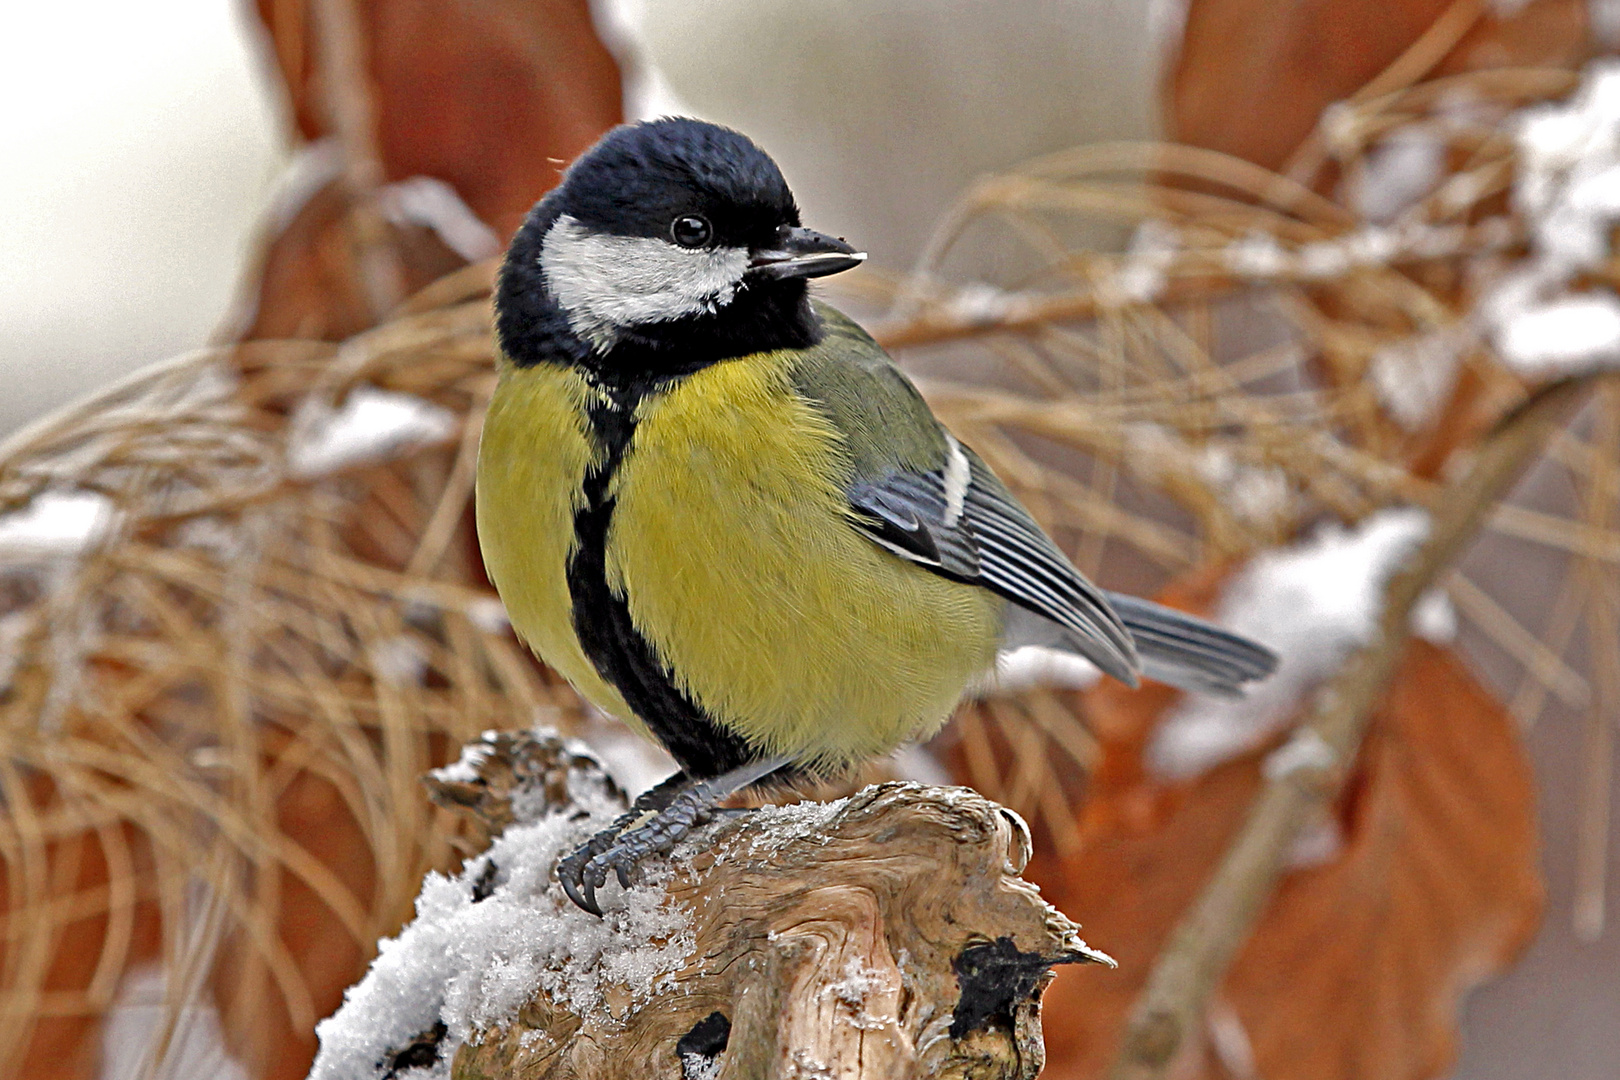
column 608, row 637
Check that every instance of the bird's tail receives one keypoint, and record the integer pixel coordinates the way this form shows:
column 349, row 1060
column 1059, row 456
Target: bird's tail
column 1189, row 653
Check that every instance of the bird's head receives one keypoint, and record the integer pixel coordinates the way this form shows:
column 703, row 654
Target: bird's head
column 670, row 243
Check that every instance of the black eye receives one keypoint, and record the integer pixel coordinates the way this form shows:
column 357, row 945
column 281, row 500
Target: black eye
column 690, row 230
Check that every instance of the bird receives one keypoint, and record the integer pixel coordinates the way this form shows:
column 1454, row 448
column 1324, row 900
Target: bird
column 717, row 507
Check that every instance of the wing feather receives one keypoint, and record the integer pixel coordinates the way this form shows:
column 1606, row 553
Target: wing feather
column 1188, row 652
column 994, row 543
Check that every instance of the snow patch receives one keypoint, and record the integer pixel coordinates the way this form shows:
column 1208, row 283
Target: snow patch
column 371, row 425
column 433, row 204
column 1567, row 187
column 1229, row 1038
column 1033, row 666
column 1314, row 604
column 852, row 989
column 1152, row 251
column 469, row 768
column 1256, row 255
column 696, row 1066
column 1434, row 617
column 400, row 660
column 772, row 828
column 473, row 963
column 55, row 524
column 1256, row 494
column 978, row 304
column 1259, row 495
column 1413, row 378
column 1319, row 843
column 1573, row 332
column 1305, row 751
column 1260, row 257
column 488, row 614
column 220, row 539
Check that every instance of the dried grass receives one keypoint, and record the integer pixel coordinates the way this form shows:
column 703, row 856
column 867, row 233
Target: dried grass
column 236, row 633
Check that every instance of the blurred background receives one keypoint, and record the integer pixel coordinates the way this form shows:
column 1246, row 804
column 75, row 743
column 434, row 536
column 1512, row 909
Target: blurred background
column 1064, row 201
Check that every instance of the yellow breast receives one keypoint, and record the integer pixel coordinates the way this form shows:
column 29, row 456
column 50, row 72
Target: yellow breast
column 532, row 461
column 731, row 542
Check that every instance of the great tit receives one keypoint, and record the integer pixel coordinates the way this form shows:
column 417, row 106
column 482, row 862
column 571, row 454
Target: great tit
column 716, row 506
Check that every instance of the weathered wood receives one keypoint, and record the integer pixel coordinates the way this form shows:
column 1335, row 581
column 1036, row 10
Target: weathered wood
column 884, row 935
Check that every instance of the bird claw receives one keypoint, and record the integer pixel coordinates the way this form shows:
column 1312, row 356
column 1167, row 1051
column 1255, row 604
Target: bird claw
column 571, row 874
column 659, row 819
column 622, row 847
column 575, row 872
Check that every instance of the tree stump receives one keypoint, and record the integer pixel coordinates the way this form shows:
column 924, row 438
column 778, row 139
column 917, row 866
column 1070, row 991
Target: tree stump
column 883, row 935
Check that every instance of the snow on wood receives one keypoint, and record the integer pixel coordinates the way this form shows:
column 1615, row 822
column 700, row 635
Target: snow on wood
column 487, row 940
column 883, row 934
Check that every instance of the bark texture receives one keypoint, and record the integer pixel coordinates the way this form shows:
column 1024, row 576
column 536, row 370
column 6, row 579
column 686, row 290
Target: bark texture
column 890, row 938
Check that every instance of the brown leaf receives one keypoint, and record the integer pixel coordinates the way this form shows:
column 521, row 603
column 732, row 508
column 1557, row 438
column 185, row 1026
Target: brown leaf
column 103, row 924
column 1356, row 969
column 309, row 277
column 492, row 97
column 1253, row 76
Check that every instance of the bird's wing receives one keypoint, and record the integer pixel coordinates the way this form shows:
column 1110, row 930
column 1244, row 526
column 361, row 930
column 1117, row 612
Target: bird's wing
column 961, row 521
column 922, row 495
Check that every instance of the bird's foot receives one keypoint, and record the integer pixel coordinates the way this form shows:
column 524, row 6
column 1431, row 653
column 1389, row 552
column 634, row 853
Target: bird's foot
column 655, row 835
column 571, row 870
column 658, row 820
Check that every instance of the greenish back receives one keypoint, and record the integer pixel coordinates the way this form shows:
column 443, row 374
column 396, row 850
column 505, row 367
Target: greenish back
column 852, row 381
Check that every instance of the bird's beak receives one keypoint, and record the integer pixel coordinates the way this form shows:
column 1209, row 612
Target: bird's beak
column 803, row 253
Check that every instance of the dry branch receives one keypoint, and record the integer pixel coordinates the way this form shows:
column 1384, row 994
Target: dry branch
column 884, row 935
column 353, row 117
column 1310, row 770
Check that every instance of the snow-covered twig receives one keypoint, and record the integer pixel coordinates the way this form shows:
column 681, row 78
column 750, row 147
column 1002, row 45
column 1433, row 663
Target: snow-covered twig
column 1315, row 763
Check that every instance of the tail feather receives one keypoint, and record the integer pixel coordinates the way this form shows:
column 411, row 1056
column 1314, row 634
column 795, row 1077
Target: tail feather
column 1189, row 653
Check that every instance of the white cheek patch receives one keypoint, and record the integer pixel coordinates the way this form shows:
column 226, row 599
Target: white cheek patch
column 605, row 283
